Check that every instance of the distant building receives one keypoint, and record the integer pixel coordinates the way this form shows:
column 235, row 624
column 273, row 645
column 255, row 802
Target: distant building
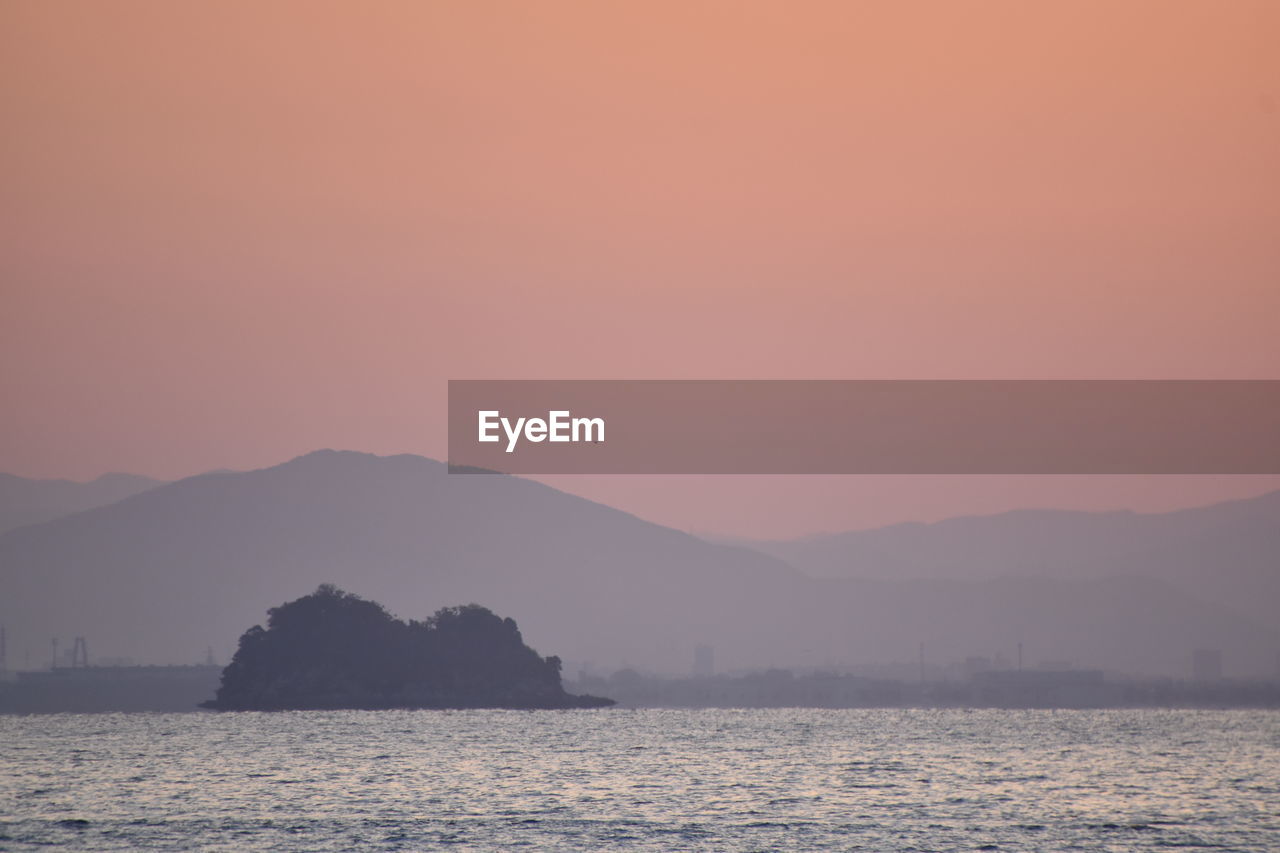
column 1206, row 664
column 704, row 661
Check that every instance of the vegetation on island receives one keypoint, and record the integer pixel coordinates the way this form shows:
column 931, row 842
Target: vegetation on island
column 335, row 650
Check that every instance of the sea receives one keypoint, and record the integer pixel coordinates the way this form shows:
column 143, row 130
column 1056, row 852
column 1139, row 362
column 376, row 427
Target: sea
column 775, row 779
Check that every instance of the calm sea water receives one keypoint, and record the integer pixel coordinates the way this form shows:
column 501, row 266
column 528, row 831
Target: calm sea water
column 648, row 780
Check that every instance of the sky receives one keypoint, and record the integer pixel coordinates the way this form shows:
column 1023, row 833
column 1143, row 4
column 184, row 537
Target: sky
column 233, row 233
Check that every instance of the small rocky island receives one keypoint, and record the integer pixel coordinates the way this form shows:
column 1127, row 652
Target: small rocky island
column 334, row 650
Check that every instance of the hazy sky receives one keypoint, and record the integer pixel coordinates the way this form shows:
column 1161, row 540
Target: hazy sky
column 231, row 232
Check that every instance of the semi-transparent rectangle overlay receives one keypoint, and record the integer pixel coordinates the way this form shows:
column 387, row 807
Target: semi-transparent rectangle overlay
column 865, row 426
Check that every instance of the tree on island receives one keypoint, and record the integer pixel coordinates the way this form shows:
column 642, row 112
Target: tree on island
column 332, row 650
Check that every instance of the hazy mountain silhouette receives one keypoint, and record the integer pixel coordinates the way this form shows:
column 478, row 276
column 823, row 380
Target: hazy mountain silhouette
column 1228, row 553
column 24, row 501
column 161, row 575
column 170, row 571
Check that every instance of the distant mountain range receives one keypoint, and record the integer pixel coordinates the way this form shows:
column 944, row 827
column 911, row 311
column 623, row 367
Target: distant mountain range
column 1227, row 553
column 163, row 574
column 24, row 501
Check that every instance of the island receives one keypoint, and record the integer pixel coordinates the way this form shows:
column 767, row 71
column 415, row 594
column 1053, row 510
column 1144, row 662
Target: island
column 333, row 650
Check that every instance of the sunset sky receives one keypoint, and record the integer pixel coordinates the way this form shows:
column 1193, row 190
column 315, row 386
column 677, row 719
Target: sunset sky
column 232, row 233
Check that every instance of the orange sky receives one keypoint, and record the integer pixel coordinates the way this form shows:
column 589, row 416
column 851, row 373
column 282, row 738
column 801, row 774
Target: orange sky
column 234, row 232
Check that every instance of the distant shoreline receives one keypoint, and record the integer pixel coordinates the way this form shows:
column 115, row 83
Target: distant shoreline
column 181, row 689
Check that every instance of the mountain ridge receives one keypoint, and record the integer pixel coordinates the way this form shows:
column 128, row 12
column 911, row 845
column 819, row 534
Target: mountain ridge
column 26, row 501
column 165, row 573
column 1225, row 552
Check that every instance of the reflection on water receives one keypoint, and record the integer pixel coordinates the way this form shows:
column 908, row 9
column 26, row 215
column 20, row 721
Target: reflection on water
column 646, row 779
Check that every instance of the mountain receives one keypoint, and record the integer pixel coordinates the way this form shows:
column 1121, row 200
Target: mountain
column 1227, row 553
column 166, row 573
column 24, row 501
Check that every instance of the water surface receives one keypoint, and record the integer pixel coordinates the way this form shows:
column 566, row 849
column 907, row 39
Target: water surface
column 791, row 779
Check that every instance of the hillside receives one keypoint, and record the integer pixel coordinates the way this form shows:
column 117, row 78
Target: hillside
column 24, row 501
column 1227, row 553
column 167, row 573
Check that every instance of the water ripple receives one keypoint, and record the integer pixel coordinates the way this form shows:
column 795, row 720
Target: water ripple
column 643, row 780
